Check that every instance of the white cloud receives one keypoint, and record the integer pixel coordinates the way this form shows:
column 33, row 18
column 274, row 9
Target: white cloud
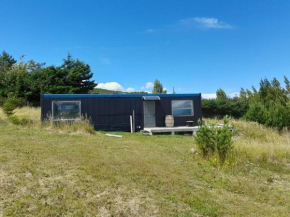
column 105, row 61
column 191, row 24
column 142, row 88
column 114, row 86
column 130, row 89
column 110, row 86
column 208, row 95
column 213, row 95
column 232, row 95
column 149, row 85
column 205, row 22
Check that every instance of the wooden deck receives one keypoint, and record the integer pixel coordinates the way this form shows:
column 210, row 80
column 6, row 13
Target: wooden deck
column 171, row 130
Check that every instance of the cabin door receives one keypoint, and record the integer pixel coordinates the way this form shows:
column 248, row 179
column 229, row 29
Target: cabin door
column 149, row 113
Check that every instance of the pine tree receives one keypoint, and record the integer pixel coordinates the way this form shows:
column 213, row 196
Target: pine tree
column 221, row 94
column 6, row 61
column 77, row 75
column 158, row 87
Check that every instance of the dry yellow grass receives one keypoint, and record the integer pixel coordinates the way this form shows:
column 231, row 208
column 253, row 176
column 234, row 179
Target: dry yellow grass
column 30, row 117
column 30, row 113
column 262, row 143
column 2, row 115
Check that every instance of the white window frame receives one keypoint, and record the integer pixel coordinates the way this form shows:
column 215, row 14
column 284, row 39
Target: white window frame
column 64, row 101
column 191, row 102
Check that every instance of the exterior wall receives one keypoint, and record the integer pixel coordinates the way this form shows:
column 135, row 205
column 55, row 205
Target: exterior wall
column 163, row 108
column 106, row 113
column 112, row 112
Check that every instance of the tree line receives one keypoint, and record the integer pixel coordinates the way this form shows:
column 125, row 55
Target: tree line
column 28, row 79
column 269, row 105
column 24, row 81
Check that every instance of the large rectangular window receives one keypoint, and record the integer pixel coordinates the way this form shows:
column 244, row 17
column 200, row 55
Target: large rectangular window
column 182, row 107
column 66, row 110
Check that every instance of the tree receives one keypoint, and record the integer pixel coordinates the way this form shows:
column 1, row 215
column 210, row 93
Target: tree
column 287, row 82
column 6, row 61
column 73, row 76
column 220, row 94
column 77, row 75
column 158, row 87
column 12, row 80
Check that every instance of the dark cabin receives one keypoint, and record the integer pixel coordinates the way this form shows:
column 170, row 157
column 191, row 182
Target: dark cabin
column 112, row 112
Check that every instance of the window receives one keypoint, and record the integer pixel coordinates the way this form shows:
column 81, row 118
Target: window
column 182, row 108
column 66, row 110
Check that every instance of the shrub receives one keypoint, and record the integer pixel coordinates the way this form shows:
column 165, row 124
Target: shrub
column 2, row 100
column 18, row 120
column 219, row 108
column 275, row 115
column 11, row 104
column 215, row 140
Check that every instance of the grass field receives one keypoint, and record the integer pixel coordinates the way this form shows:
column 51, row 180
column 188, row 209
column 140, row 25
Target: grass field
column 46, row 172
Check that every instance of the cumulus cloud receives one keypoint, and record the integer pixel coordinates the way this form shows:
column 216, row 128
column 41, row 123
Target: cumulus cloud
column 213, row 95
column 130, row 89
column 205, row 22
column 149, row 85
column 110, row 86
column 208, row 95
column 114, row 86
column 232, row 95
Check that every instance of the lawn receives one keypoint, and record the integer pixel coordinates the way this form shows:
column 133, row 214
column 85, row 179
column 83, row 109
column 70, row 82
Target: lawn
column 45, row 172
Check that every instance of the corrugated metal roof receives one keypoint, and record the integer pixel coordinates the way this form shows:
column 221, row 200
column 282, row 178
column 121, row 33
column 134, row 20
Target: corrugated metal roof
column 150, row 98
column 115, row 95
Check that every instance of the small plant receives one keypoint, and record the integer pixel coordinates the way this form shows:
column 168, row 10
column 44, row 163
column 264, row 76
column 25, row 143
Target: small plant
column 11, row 103
column 18, row 120
column 2, row 100
column 213, row 139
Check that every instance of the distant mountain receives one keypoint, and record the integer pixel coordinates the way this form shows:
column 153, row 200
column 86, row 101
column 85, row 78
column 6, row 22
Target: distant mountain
column 104, row 91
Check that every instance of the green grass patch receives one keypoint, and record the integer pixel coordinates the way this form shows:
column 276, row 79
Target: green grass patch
column 48, row 172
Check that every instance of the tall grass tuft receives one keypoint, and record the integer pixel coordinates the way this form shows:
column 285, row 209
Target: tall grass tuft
column 3, row 116
column 82, row 126
column 30, row 117
column 257, row 143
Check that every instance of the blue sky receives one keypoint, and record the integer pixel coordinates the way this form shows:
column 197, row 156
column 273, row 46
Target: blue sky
column 195, row 46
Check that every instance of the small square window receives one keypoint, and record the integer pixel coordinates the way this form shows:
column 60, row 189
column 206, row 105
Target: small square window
column 182, row 108
column 66, row 110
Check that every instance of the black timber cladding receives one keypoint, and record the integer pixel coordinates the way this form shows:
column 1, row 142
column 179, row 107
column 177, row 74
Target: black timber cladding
column 112, row 112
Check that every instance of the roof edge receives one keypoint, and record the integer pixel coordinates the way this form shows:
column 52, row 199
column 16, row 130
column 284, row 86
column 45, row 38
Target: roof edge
column 116, row 95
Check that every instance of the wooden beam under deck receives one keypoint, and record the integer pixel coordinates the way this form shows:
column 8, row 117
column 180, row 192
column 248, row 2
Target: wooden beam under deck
column 171, row 130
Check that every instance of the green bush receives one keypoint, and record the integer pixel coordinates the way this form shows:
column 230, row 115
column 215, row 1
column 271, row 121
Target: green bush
column 277, row 116
column 2, row 100
column 215, row 140
column 18, row 121
column 219, row 108
column 11, row 104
